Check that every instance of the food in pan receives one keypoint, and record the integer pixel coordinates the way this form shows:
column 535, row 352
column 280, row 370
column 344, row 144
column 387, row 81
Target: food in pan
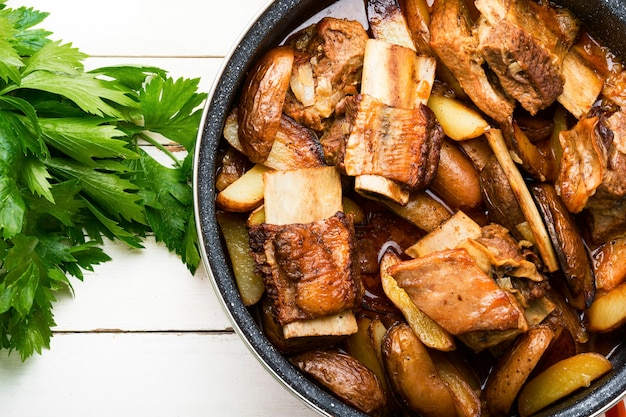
column 432, row 205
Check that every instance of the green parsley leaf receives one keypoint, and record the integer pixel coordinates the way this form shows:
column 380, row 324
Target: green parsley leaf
column 84, row 89
column 116, row 195
column 85, row 138
column 10, row 60
column 72, row 171
column 171, row 109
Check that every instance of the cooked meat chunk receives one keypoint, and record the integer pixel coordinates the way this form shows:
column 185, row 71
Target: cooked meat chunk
column 334, row 141
column 457, row 48
column 583, row 163
column 402, row 145
column 508, row 258
column 308, row 269
column 614, row 181
column 525, row 43
column 607, row 207
column 452, row 290
column 327, row 66
column 606, row 217
column 525, row 69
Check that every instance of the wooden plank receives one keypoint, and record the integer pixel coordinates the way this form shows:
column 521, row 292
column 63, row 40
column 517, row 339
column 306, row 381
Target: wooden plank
column 196, row 28
column 143, row 374
column 140, row 290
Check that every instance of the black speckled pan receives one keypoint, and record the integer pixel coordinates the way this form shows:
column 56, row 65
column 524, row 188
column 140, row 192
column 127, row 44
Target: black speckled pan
column 605, row 18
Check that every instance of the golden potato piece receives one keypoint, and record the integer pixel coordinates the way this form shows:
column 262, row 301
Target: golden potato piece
column 262, row 101
column 246, row 193
column 457, row 181
column 235, row 232
column 458, row 121
column 413, row 375
column 505, row 382
column 361, row 346
column 560, row 380
column 608, row 311
column 422, row 209
column 345, row 376
column 466, row 398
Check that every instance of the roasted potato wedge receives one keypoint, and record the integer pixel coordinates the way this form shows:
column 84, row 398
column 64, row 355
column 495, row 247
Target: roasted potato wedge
column 568, row 245
column 505, row 382
column 413, row 375
column 499, row 198
column 429, row 332
column 246, row 193
column 262, row 100
column 294, row 146
column 560, row 380
column 422, row 209
column 235, row 232
column 608, row 310
column 477, row 150
column 361, row 346
column 458, row 121
column 346, row 377
column 466, row 398
column 457, row 181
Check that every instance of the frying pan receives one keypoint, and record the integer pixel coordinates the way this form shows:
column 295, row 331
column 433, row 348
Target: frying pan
column 606, row 19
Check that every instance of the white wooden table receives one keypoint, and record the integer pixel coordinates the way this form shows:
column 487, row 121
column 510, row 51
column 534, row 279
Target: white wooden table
column 141, row 336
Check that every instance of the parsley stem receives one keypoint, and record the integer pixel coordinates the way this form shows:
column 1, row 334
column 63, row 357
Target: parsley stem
column 161, row 147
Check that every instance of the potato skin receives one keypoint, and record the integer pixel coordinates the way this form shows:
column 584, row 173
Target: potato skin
column 262, row 100
column 457, row 181
column 346, row 377
column 507, row 379
column 413, row 375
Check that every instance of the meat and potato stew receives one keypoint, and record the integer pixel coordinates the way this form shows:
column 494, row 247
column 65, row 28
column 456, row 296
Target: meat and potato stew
column 427, row 210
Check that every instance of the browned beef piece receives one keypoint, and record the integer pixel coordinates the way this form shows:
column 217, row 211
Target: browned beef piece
column 308, row 269
column 333, row 141
column 614, row 181
column 452, row 290
column 606, row 209
column 327, row 67
column 402, row 145
column 526, row 70
column 606, row 218
column 583, row 163
column 456, row 46
column 524, row 43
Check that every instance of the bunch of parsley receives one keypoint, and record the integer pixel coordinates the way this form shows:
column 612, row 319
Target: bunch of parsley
column 72, row 172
